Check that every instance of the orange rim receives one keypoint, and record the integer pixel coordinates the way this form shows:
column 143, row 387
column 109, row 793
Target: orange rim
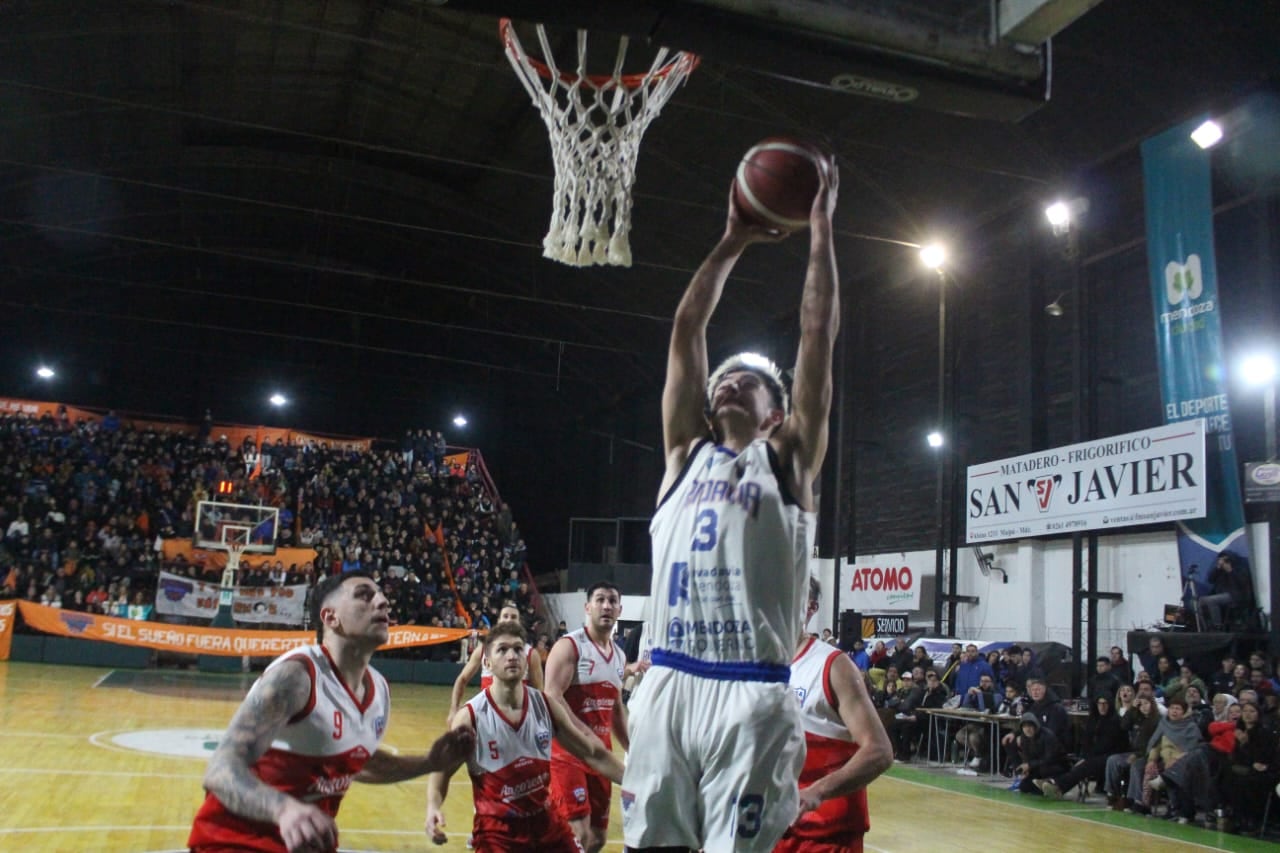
column 683, row 63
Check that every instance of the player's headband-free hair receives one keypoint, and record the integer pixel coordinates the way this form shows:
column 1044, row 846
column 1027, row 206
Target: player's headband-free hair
column 759, row 365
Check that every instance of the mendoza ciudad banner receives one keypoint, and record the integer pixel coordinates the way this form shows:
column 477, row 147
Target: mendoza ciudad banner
column 1184, row 291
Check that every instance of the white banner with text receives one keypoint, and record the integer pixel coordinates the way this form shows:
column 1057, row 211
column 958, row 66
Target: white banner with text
column 180, row 596
column 884, row 581
column 1150, row 477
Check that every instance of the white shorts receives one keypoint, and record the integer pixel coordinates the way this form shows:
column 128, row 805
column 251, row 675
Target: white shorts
column 713, row 765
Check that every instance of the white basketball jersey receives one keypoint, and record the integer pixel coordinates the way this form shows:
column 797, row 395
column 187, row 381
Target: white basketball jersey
column 314, row 756
column 511, row 765
column 731, row 555
column 811, row 681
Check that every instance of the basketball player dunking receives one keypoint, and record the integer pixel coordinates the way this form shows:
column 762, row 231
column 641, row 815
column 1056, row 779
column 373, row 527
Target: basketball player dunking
column 510, row 765
column 585, row 671
column 846, row 747
column 732, row 537
column 309, row 727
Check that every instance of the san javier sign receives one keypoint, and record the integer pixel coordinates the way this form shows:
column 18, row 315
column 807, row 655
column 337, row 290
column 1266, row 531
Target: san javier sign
column 1148, row 477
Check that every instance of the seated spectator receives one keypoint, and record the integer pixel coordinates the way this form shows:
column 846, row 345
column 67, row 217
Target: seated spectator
column 898, row 713
column 1250, row 771
column 907, row 726
column 1103, row 738
column 878, row 655
column 1040, row 755
column 1104, row 682
column 1173, row 761
column 972, row 737
column 1224, row 679
column 1230, row 586
column 1125, row 769
column 1199, row 710
column 859, row 655
column 1186, row 677
column 1120, row 665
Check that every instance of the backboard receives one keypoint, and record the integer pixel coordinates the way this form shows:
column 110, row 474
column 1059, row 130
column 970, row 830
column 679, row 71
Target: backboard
column 991, row 60
column 219, row 525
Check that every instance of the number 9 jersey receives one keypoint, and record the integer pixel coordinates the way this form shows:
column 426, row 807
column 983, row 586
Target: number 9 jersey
column 731, row 550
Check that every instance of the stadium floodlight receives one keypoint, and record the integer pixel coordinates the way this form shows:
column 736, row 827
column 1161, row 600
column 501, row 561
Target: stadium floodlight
column 933, row 255
column 1207, row 135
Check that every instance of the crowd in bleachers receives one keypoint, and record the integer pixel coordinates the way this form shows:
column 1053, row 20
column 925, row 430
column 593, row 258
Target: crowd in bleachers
column 1197, row 746
column 84, row 507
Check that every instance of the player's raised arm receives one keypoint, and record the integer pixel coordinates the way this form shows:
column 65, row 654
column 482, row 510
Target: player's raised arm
column 684, row 397
column 281, row 693
column 469, row 670
column 803, row 438
column 875, row 752
column 438, row 782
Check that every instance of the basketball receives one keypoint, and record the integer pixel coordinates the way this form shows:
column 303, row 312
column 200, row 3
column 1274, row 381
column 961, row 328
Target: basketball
column 777, row 181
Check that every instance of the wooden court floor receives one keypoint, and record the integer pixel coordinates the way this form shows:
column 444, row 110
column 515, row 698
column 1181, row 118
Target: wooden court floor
column 110, row 761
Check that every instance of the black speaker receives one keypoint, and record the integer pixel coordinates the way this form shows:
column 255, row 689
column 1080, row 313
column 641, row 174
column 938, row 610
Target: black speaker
column 850, row 629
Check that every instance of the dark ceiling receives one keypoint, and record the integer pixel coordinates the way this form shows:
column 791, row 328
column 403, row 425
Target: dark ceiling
column 203, row 201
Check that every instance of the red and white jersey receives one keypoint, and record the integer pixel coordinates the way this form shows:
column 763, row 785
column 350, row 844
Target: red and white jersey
column 596, row 687
column 511, row 765
column 829, row 745
column 486, row 674
column 314, row 756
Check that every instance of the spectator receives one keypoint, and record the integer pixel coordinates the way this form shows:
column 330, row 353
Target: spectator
column 1103, row 738
column 1249, row 773
column 1040, row 754
column 970, row 671
column 1171, row 761
column 1231, row 586
column 1120, row 665
column 1124, row 770
column 1104, row 682
column 909, row 723
column 1155, row 648
column 1224, row 679
column 972, row 737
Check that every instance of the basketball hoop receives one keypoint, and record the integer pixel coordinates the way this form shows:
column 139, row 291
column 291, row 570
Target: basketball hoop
column 595, row 123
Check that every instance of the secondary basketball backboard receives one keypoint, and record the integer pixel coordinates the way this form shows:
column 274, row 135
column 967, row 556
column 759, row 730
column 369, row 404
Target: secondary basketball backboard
column 991, row 60
column 220, row 526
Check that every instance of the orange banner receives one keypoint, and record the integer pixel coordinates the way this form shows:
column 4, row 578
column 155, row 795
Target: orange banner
column 211, row 561
column 198, row 640
column 8, row 612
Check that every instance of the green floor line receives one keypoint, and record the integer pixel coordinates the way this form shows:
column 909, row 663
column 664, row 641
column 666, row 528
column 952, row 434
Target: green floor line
column 1095, row 810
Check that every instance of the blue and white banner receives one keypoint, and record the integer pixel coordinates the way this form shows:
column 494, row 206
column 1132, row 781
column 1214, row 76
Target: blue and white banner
column 1184, row 290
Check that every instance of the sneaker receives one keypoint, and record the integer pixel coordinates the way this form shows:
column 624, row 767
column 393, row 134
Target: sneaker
column 1157, row 783
column 1184, row 820
column 975, row 762
column 1049, row 789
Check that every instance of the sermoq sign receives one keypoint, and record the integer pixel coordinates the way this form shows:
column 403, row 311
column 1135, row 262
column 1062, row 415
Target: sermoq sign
column 1148, row 477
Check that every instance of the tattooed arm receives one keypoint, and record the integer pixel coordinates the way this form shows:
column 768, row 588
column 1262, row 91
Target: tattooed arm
column 281, row 692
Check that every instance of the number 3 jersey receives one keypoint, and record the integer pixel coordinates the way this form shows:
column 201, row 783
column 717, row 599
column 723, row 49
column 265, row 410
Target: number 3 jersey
column 731, row 552
column 314, row 756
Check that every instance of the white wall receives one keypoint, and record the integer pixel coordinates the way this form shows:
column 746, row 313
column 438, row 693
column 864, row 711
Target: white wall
column 1036, row 602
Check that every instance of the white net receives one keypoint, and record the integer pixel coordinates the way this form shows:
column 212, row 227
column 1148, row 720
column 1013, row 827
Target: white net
column 595, row 124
